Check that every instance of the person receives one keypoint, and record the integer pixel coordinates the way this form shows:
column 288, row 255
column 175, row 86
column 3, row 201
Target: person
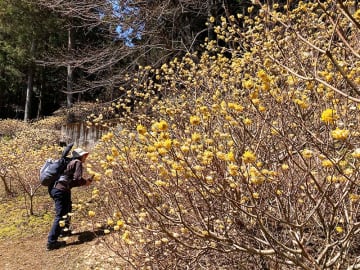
column 61, row 194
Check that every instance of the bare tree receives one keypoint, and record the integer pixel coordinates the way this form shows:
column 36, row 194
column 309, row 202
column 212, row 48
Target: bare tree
column 127, row 34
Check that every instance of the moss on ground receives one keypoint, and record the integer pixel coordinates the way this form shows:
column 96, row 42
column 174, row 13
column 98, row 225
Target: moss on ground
column 16, row 222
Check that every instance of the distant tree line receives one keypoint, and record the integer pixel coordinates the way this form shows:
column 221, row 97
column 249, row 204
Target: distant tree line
column 54, row 53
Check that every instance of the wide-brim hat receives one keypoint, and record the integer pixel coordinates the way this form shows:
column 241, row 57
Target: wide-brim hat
column 78, row 152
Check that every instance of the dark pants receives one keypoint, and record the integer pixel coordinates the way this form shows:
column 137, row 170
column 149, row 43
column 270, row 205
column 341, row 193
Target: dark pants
column 62, row 201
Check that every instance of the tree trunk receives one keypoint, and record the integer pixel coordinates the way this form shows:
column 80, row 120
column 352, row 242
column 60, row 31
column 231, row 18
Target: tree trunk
column 39, row 94
column 69, row 85
column 210, row 7
column 30, row 81
column 8, row 191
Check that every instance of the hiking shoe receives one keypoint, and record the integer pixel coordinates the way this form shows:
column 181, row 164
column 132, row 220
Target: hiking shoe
column 55, row 245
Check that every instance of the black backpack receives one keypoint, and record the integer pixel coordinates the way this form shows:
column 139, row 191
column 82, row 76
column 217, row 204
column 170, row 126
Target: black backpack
column 51, row 171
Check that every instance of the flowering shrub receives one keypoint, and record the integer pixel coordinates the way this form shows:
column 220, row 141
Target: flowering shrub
column 8, row 127
column 23, row 154
column 251, row 157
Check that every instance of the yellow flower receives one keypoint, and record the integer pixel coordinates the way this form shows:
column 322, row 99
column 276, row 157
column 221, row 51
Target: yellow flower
column 329, row 116
column 256, row 195
column 348, row 171
column 205, row 233
column 162, row 151
column 230, row 156
column 327, row 163
column 108, row 172
column 208, row 155
column 306, row 153
column 120, row 223
column 302, row 103
column 284, row 167
column 126, row 235
column 262, row 75
column 354, row 197
column 339, row 229
column 340, row 134
column 110, row 135
column 248, row 84
column 185, row 148
column 248, row 157
column 220, row 155
column 262, row 108
column 157, row 243
column 114, row 151
column 194, row 120
column 356, row 153
column 141, row 129
column 162, row 125
column 233, row 169
column 238, row 108
column 247, row 121
column 97, row 177
column 357, row 15
column 110, row 221
column 109, row 158
column 196, row 137
column 160, row 183
column 167, row 143
column 164, row 240
column 91, row 213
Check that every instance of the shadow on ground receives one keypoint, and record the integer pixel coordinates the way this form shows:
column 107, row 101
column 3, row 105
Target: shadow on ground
column 85, row 236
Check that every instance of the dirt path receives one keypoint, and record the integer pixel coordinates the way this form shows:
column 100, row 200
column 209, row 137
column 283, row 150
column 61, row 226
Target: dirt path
column 82, row 252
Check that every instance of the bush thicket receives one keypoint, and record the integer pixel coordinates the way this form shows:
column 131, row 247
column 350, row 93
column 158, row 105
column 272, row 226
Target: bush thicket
column 249, row 156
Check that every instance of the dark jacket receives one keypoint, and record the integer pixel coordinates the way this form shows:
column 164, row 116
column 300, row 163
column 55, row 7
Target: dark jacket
column 72, row 176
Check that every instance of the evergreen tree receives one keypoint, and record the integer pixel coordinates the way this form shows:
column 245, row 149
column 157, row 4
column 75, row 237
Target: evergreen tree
column 26, row 33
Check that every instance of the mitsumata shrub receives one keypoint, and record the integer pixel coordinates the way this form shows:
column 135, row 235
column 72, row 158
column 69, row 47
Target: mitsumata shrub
column 244, row 156
column 251, row 157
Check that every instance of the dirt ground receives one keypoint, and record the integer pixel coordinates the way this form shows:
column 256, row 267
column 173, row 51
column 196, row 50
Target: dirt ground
column 23, row 238
column 83, row 251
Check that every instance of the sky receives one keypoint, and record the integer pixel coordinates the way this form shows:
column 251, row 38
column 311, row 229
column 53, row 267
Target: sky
column 120, row 10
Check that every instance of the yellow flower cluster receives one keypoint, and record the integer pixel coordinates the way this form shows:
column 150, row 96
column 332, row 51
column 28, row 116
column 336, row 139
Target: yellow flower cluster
column 327, row 163
column 356, row 153
column 194, row 120
column 107, row 137
column 340, row 134
column 141, row 129
column 233, row 132
column 357, row 15
column 307, row 153
column 248, row 157
column 329, row 116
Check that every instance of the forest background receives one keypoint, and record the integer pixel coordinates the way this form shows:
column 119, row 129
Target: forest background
column 84, row 50
column 232, row 127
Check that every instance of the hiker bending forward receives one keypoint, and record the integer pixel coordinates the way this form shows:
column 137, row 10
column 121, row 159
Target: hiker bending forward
column 61, row 194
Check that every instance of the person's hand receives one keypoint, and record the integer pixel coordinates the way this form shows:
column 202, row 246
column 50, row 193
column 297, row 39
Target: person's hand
column 88, row 182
